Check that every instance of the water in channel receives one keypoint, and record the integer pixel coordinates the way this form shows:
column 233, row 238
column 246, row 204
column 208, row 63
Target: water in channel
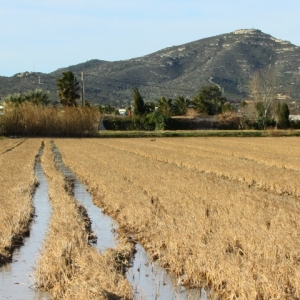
column 103, row 226
column 149, row 280
column 16, row 281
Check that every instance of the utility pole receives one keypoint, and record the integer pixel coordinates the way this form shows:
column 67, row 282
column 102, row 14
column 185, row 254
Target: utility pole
column 82, row 91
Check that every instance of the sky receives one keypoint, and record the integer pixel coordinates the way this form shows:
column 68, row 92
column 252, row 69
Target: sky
column 44, row 35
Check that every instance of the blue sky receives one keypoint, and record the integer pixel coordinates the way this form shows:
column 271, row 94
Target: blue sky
column 45, row 35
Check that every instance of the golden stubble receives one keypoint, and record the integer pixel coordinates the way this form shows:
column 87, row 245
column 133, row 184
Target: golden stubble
column 240, row 239
column 69, row 268
column 17, row 187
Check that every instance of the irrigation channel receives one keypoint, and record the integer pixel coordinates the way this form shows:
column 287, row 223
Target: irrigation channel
column 16, row 281
column 148, row 279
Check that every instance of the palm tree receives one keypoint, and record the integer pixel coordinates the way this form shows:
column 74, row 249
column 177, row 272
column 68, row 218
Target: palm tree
column 180, row 106
column 68, row 89
column 165, row 106
column 38, row 96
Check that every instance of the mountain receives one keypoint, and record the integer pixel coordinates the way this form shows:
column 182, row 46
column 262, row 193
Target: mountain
column 227, row 60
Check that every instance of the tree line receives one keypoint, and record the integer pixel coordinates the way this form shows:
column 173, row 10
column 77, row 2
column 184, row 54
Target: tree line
column 209, row 101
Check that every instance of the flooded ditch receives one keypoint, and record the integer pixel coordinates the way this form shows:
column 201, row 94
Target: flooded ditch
column 148, row 279
column 16, row 279
column 103, row 227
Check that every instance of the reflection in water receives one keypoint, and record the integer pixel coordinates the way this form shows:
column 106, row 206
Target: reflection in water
column 150, row 281
column 16, row 281
column 103, row 226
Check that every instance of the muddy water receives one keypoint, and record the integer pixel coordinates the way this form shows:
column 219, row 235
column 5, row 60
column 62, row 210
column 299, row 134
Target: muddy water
column 149, row 280
column 16, row 281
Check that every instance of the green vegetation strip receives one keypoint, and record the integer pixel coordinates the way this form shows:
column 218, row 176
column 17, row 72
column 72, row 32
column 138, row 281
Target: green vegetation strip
column 198, row 133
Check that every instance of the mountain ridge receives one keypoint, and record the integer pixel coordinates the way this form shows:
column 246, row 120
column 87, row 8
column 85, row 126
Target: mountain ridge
column 229, row 60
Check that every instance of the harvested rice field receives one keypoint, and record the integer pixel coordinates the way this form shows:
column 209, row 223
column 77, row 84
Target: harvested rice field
column 215, row 213
column 17, row 183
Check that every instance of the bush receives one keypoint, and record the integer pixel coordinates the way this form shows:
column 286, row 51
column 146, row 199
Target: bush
column 124, row 123
column 152, row 121
column 295, row 124
column 157, row 121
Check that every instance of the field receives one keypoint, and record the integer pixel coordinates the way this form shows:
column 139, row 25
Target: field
column 69, row 268
column 216, row 212
column 17, row 186
column 222, row 212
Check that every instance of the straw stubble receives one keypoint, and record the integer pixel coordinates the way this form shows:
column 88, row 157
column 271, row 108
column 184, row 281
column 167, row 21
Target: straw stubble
column 239, row 239
column 17, row 187
column 70, row 268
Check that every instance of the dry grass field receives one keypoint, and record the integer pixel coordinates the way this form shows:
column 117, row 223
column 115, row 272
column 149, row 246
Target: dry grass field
column 69, row 268
column 7, row 145
column 17, row 180
column 220, row 212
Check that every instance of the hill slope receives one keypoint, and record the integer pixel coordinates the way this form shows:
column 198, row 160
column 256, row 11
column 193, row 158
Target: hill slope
column 228, row 60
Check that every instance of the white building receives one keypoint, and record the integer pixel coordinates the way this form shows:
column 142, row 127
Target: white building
column 122, row 111
column 294, row 117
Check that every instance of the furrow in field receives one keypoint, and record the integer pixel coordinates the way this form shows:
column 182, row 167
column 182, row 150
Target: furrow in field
column 16, row 278
column 147, row 278
column 242, row 242
column 69, row 268
column 17, row 186
column 278, row 152
column 10, row 144
column 187, row 155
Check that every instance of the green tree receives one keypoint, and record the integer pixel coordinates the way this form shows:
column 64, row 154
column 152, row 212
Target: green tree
column 283, row 116
column 180, row 106
column 209, row 100
column 149, row 107
column 260, row 118
column 15, row 98
column 164, row 106
column 37, row 96
column 138, row 103
column 157, row 120
column 227, row 108
column 68, row 89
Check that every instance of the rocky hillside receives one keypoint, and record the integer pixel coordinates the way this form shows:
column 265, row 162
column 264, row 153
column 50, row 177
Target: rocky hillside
column 227, row 60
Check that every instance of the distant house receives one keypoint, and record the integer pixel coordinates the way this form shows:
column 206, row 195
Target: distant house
column 294, row 117
column 1, row 110
column 122, row 111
